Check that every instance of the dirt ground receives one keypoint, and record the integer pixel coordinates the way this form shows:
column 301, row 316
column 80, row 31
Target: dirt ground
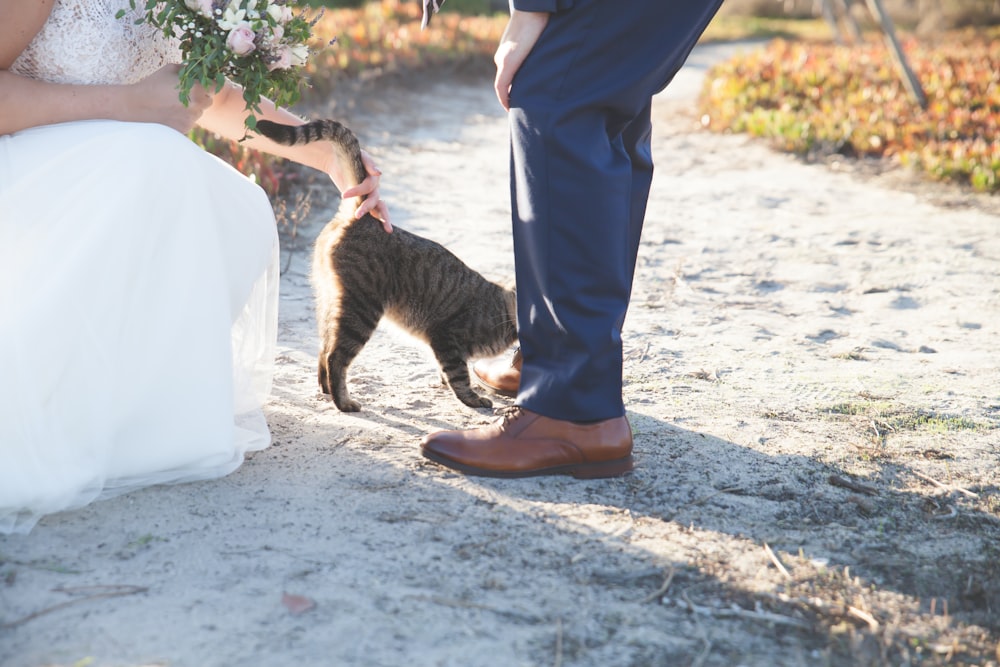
column 814, row 384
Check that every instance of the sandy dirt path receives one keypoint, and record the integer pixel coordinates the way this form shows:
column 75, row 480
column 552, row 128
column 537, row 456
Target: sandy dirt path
column 812, row 376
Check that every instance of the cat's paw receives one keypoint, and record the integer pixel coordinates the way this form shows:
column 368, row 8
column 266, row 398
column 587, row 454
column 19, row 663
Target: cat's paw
column 476, row 401
column 347, row 405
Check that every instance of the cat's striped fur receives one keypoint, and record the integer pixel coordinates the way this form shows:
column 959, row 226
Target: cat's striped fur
column 360, row 273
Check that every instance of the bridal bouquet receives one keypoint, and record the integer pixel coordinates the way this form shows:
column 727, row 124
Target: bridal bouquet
column 258, row 44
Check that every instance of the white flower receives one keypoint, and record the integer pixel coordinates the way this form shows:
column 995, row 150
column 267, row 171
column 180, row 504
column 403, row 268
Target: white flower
column 281, row 14
column 232, row 16
column 203, row 7
column 300, row 54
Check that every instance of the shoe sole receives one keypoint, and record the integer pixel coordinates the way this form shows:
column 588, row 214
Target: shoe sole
column 601, row 470
column 488, row 387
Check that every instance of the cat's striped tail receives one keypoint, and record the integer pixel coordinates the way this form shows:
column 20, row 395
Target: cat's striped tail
column 318, row 130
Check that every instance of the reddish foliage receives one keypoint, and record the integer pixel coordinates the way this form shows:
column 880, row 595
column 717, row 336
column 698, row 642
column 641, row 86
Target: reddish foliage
column 851, row 99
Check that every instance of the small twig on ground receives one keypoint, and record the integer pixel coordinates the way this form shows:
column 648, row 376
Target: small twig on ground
column 739, row 612
column 522, row 617
column 777, row 563
column 944, row 606
column 845, row 483
column 945, row 487
column 881, row 433
column 662, row 590
column 707, row 648
column 37, row 565
column 863, row 615
column 952, row 513
column 104, row 592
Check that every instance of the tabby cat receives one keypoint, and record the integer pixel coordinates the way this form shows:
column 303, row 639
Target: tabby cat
column 360, row 273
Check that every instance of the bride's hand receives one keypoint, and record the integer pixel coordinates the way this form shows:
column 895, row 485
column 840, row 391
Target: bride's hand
column 369, row 188
column 155, row 100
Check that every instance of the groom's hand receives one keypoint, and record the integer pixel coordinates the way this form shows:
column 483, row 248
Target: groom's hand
column 523, row 30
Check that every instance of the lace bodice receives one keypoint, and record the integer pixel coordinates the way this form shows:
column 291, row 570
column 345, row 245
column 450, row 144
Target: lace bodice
column 83, row 42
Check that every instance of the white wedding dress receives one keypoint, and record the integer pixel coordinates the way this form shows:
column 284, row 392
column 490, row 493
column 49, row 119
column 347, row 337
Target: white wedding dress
column 138, row 291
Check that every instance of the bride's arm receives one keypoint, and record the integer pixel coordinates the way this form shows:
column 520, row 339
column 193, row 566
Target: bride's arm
column 28, row 103
column 19, row 23
column 226, row 115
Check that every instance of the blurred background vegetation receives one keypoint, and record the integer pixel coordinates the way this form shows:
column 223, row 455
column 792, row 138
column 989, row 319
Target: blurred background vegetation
column 809, row 88
column 467, row 7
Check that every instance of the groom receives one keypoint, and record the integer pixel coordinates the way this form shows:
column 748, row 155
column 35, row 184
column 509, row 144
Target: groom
column 577, row 78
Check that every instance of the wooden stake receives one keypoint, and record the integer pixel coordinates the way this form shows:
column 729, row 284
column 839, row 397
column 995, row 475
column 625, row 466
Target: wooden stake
column 909, row 78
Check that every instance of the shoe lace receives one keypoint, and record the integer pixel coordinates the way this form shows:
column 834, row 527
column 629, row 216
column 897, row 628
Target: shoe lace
column 508, row 413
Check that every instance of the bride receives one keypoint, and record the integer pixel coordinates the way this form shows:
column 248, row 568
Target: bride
column 138, row 281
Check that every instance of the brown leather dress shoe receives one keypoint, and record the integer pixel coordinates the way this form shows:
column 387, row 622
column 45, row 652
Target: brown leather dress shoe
column 524, row 444
column 499, row 375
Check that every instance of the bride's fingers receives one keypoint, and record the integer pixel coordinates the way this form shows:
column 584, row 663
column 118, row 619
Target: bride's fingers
column 369, row 163
column 382, row 213
column 362, row 189
column 376, row 207
column 368, row 188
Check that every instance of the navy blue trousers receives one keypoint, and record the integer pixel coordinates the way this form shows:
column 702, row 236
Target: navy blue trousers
column 580, row 175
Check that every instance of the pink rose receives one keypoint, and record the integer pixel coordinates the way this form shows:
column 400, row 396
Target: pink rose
column 282, row 59
column 240, row 39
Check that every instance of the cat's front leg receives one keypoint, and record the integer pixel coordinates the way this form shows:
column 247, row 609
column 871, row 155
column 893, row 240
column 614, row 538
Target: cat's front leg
column 345, row 332
column 455, row 373
column 462, row 388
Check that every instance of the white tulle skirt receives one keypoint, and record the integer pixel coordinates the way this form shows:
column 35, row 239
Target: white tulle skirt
column 138, row 315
